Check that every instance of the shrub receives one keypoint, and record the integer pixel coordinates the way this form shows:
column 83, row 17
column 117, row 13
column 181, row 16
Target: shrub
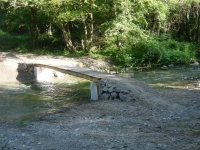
column 147, row 53
column 176, row 57
column 156, row 53
column 8, row 42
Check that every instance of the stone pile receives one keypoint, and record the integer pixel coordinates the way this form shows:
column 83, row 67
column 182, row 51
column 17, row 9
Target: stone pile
column 111, row 92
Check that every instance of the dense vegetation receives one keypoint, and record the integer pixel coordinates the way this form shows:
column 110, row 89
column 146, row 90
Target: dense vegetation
column 128, row 32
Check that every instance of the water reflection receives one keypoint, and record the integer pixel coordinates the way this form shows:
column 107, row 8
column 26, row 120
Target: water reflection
column 25, row 101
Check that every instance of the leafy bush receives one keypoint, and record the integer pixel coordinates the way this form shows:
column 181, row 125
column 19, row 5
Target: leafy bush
column 156, row 53
column 49, row 42
column 178, row 52
column 8, row 42
column 152, row 53
column 176, row 57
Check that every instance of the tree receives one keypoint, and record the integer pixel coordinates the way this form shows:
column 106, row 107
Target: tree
column 184, row 19
column 24, row 13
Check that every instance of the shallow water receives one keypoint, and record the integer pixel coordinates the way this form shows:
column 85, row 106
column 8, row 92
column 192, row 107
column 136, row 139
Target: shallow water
column 177, row 77
column 25, row 101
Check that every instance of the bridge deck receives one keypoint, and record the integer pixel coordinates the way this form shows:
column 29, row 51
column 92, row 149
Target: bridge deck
column 85, row 73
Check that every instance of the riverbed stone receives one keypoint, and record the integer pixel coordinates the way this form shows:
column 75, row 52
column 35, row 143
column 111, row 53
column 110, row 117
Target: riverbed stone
column 117, row 89
column 125, row 97
column 102, row 82
column 105, row 89
column 114, row 95
column 125, row 92
column 110, row 90
column 164, row 68
column 108, row 85
column 105, row 96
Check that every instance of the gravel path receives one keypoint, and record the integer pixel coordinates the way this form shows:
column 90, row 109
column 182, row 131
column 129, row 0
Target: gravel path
column 156, row 120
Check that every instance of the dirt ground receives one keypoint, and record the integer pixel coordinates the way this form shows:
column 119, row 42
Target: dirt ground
column 156, row 120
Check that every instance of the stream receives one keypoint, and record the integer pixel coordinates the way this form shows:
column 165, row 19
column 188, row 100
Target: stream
column 26, row 101
column 184, row 77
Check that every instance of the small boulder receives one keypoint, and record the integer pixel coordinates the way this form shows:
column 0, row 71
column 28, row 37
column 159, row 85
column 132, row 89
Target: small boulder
column 117, row 89
column 126, row 92
column 125, row 97
column 108, row 85
column 164, row 68
column 114, row 95
column 105, row 96
column 105, row 89
column 110, row 90
column 171, row 66
column 102, row 82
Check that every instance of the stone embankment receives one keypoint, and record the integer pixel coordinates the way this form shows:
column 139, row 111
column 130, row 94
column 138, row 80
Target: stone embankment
column 113, row 92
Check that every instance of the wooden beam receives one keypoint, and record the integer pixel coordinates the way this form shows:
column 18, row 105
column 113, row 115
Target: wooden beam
column 82, row 73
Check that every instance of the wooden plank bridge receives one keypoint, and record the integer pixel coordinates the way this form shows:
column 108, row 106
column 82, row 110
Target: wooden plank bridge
column 85, row 73
column 44, row 71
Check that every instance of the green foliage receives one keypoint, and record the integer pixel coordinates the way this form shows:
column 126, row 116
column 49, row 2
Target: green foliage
column 176, row 57
column 9, row 42
column 155, row 52
column 130, row 33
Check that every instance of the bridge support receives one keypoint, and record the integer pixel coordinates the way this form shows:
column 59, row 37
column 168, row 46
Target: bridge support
column 94, row 90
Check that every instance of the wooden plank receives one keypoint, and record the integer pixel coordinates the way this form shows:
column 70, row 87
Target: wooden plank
column 78, row 72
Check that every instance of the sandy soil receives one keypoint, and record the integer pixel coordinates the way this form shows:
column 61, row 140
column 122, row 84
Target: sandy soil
column 156, row 120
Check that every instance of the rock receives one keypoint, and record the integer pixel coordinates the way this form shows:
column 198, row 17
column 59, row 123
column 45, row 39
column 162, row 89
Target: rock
column 194, row 64
column 110, row 90
column 164, row 68
column 126, row 92
column 117, row 89
column 105, row 96
column 171, row 66
column 125, row 97
column 105, row 89
column 184, row 78
column 108, row 85
column 102, row 82
column 113, row 72
column 114, row 95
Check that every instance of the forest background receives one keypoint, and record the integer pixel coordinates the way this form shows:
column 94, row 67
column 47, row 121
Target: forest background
column 127, row 32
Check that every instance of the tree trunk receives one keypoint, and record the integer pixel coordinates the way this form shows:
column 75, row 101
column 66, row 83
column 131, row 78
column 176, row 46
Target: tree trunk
column 187, row 27
column 34, row 31
column 84, row 41
column 198, row 27
column 87, row 41
column 85, row 35
column 68, row 42
column 91, row 32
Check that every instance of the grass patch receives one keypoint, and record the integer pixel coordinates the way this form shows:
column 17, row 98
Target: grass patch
column 80, row 92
